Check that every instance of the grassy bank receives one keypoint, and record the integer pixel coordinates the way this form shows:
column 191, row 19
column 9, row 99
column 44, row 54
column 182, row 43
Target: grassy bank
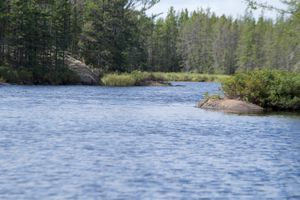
column 137, row 78
column 190, row 77
column 30, row 76
column 63, row 76
column 277, row 90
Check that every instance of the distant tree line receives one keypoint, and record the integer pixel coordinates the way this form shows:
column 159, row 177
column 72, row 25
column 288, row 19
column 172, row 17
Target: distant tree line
column 203, row 42
column 117, row 35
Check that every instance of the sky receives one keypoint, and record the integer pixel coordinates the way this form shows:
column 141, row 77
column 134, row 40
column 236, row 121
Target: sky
column 234, row 8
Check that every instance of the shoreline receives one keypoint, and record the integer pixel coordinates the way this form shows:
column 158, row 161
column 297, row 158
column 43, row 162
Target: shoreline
column 237, row 106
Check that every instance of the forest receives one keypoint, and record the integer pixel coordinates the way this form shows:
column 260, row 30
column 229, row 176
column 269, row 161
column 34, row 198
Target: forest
column 118, row 36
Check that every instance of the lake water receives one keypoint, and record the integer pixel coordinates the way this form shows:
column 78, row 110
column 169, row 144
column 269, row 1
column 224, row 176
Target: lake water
column 77, row 142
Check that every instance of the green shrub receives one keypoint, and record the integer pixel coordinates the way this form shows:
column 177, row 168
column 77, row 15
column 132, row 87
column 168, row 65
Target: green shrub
column 268, row 88
column 69, row 77
column 52, row 78
column 61, row 76
column 25, row 76
column 207, row 96
column 9, row 75
column 38, row 75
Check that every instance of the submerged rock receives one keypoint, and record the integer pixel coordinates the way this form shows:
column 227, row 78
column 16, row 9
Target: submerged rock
column 87, row 75
column 230, row 106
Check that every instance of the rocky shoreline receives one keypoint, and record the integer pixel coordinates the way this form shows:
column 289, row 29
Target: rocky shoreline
column 230, row 106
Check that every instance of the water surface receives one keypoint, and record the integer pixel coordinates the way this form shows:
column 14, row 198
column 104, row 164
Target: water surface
column 77, row 142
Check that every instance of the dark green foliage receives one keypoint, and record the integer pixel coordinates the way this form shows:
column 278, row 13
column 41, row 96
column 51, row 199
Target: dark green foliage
column 267, row 88
column 35, row 37
column 60, row 76
column 9, row 74
column 118, row 36
column 113, row 35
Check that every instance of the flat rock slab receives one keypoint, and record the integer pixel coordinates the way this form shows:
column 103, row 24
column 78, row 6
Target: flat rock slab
column 230, row 106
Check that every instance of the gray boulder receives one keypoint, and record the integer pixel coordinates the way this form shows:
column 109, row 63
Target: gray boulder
column 87, row 75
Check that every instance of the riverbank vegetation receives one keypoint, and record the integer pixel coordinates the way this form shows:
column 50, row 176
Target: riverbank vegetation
column 137, row 78
column 30, row 76
column 271, row 89
column 118, row 37
column 2, row 80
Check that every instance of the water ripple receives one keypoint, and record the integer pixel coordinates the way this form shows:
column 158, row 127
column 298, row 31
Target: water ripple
column 141, row 143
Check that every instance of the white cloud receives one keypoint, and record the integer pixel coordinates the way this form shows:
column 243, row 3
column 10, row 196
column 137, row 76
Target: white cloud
column 234, row 8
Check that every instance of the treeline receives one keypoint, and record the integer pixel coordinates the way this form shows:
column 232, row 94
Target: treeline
column 117, row 35
column 205, row 43
column 107, row 34
column 35, row 33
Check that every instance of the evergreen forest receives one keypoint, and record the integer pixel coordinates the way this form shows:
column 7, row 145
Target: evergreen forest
column 118, row 36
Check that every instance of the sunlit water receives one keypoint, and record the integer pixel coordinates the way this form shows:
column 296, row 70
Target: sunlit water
column 76, row 142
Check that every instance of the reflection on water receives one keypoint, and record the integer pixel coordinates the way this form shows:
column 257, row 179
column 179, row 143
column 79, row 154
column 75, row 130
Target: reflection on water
column 141, row 143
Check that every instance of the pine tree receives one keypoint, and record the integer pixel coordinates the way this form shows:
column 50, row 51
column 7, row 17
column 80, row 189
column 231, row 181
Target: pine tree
column 170, row 41
column 117, row 35
column 246, row 51
column 4, row 22
column 61, row 30
column 76, row 25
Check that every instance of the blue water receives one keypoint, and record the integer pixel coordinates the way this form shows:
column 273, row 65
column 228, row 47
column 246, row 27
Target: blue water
column 77, row 142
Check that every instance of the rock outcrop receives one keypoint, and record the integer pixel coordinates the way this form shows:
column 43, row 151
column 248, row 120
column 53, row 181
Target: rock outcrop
column 87, row 75
column 230, row 106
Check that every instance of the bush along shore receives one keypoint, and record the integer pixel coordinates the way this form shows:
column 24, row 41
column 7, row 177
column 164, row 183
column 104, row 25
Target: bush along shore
column 271, row 90
column 40, row 76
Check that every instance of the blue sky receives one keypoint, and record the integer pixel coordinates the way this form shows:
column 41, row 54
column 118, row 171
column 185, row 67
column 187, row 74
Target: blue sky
column 234, row 8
